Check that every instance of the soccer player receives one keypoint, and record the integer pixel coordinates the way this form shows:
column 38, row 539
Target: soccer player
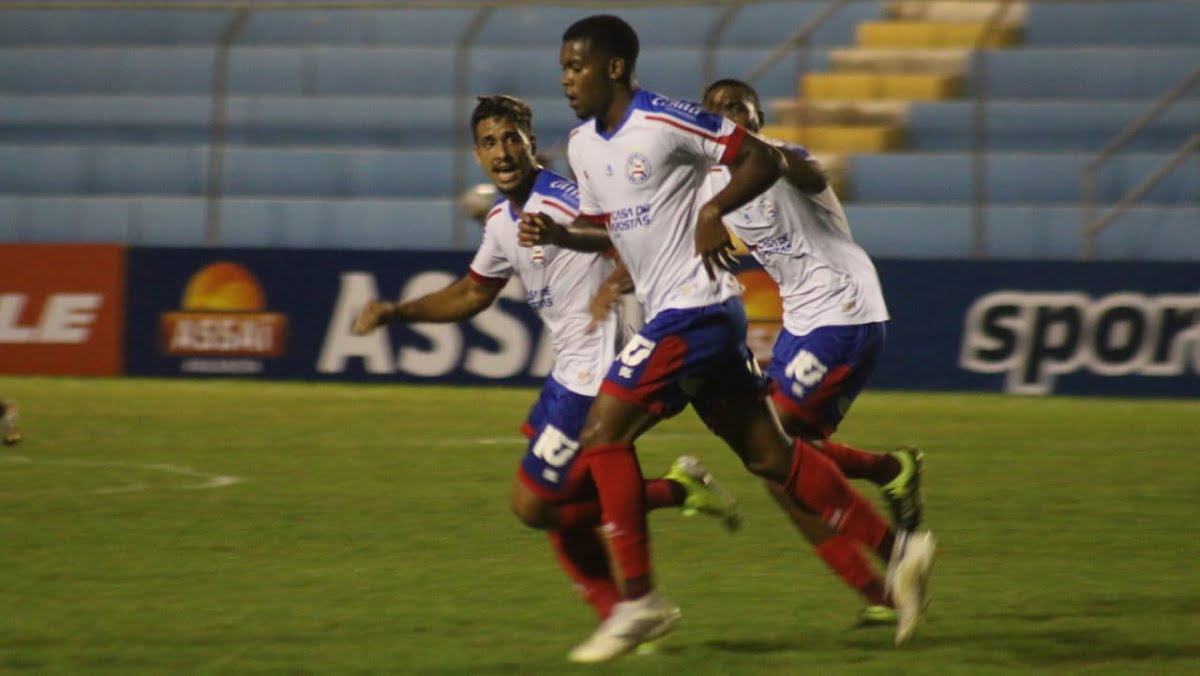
column 640, row 159
column 553, row 489
column 834, row 314
column 10, row 433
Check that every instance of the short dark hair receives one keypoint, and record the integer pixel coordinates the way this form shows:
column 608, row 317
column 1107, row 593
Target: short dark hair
column 745, row 87
column 505, row 107
column 608, row 33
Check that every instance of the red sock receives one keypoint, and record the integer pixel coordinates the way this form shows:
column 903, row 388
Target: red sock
column 582, row 554
column 845, row 557
column 659, row 493
column 878, row 468
column 818, row 484
column 618, row 479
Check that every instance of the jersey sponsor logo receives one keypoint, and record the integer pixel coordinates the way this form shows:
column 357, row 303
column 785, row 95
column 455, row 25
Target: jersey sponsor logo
column 537, row 256
column 629, row 218
column 565, row 188
column 1035, row 336
column 772, row 245
column 540, row 298
column 637, row 168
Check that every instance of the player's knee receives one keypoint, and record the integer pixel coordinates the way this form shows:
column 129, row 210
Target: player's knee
column 530, row 509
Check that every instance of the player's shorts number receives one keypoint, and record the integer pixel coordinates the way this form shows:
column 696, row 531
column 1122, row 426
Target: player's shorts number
column 555, row 448
column 805, row 370
column 636, row 352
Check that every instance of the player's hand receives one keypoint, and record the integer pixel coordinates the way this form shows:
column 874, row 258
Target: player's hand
column 713, row 244
column 602, row 304
column 372, row 316
column 538, row 229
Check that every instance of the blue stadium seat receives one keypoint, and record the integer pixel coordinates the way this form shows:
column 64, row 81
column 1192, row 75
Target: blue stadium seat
column 1047, row 125
column 1088, row 73
column 1153, row 23
column 1023, row 232
column 1014, row 178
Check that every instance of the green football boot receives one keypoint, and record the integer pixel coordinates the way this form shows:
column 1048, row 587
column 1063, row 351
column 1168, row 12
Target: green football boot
column 704, row 494
column 903, row 494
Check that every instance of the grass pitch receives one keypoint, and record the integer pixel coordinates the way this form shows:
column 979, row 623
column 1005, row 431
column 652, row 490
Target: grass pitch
column 368, row 532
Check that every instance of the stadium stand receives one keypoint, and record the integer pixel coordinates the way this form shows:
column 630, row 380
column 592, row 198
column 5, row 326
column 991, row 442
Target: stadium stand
column 341, row 124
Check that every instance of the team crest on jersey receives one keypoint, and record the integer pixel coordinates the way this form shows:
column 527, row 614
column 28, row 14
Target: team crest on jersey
column 637, row 168
column 767, row 210
column 537, row 257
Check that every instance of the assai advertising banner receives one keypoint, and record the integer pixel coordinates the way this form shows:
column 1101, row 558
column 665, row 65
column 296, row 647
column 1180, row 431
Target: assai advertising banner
column 1124, row 329
column 61, row 309
column 287, row 314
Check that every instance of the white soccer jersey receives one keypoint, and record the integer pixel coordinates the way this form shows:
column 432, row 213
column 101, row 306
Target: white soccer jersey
column 641, row 182
column 559, row 283
column 803, row 241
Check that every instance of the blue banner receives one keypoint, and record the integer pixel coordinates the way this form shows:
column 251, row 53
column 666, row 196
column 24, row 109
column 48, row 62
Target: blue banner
column 1130, row 329
column 288, row 313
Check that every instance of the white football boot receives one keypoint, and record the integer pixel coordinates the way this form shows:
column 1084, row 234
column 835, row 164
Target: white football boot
column 908, row 578
column 630, row 624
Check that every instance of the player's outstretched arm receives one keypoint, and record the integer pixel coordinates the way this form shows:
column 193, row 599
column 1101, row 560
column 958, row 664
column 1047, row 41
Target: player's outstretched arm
column 580, row 235
column 803, row 173
column 463, row 299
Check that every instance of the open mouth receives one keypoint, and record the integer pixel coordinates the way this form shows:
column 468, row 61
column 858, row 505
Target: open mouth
column 505, row 174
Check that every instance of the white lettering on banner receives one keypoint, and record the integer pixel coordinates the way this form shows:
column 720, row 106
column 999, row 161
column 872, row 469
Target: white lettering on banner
column 445, row 340
column 355, row 291
column 446, row 348
column 1035, row 336
column 510, row 335
column 223, row 334
column 66, row 318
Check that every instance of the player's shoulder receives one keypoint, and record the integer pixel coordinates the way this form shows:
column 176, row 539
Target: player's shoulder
column 658, row 108
column 498, row 214
column 556, row 190
column 788, row 145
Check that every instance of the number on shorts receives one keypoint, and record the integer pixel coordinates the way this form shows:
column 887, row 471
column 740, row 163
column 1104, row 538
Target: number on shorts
column 806, row 369
column 554, row 447
column 636, row 351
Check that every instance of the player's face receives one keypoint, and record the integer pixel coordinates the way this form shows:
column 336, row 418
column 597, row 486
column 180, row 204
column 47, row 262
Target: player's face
column 585, row 79
column 505, row 152
column 735, row 104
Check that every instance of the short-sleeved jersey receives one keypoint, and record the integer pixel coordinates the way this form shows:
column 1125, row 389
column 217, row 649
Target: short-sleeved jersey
column 559, row 283
column 641, row 182
column 803, row 241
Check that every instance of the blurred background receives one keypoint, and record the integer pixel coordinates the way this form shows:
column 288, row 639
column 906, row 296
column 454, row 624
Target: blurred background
column 955, row 129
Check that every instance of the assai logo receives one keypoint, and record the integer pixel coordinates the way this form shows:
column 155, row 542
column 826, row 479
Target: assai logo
column 1035, row 336
column 223, row 314
column 764, row 312
column 637, row 168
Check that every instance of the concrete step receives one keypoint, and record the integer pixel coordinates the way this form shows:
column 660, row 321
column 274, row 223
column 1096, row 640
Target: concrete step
column 836, row 112
column 822, row 138
column 955, row 11
column 873, row 86
column 861, row 59
column 926, row 34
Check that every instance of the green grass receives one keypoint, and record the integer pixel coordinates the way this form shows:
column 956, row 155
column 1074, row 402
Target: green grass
column 370, row 534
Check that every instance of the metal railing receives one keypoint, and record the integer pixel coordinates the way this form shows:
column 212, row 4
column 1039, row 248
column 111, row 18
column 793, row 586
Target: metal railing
column 798, row 41
column 979, row 129
column 1092, row 225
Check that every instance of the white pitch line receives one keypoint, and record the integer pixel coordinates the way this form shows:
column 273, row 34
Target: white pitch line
column 210, row 480
column 519, row 440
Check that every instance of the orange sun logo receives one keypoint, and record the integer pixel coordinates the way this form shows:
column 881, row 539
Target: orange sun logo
column 223, row 313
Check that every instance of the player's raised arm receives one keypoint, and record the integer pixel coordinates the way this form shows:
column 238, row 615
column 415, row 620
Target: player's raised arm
column 581, row 235
column 755, row 167
column 460, row 300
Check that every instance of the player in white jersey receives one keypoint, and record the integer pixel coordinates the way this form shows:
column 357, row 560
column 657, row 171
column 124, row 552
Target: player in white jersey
column 552, row 490
column 640, row 159
column 834, row 318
